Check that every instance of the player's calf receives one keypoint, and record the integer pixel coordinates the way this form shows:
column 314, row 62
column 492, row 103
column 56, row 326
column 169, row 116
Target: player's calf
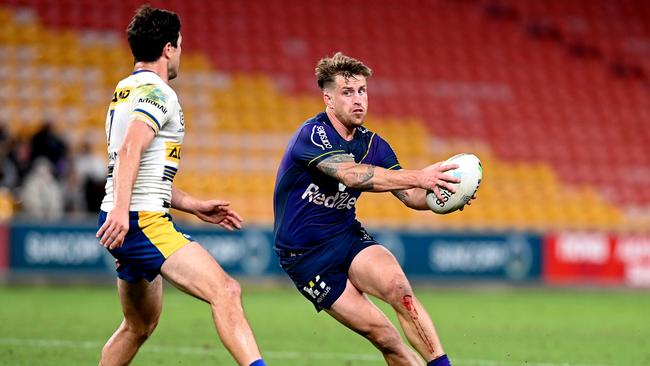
column 419, row 328
column 388, row 341
column 414, row 319
column 385, row 338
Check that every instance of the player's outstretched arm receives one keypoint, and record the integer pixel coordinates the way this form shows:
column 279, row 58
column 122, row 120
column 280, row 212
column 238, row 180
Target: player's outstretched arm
column 138, row 137
column 376, row 179
column 416, row 198
column 215, row 212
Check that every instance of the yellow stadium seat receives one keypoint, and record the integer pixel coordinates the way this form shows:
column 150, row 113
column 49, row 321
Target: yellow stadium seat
column 257, row 118
column 7, row 205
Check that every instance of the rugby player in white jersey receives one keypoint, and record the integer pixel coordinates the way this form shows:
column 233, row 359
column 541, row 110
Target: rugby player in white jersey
column 145, row 129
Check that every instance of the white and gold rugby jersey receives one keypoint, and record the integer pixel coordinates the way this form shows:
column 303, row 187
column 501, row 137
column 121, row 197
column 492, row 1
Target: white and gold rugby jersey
column 144, row 96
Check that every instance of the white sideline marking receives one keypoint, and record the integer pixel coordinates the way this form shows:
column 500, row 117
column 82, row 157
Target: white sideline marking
column 362, row 357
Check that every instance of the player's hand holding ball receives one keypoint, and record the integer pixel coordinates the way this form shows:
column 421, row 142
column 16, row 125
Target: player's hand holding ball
column 453, row 196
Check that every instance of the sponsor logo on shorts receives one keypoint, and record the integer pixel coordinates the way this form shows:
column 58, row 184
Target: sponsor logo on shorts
column 320, row 131
column 365, row 236
column 339, row 201
column 317, row 289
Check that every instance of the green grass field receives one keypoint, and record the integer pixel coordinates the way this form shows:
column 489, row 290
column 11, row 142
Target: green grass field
column 492, row 327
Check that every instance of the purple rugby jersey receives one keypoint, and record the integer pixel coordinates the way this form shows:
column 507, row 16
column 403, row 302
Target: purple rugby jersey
column 310, row 206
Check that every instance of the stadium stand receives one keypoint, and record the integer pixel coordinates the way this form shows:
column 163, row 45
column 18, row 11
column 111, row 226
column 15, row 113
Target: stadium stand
column 552, row 95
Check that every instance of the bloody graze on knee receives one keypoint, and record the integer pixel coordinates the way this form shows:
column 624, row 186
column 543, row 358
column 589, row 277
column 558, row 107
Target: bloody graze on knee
column 407, row 301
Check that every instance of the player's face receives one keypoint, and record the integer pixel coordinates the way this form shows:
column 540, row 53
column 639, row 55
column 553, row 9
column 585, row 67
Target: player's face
column 348, row 99
column 174, row 59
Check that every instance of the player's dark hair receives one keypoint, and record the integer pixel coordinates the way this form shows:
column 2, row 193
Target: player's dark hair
column 150, row 30
column 339, row 64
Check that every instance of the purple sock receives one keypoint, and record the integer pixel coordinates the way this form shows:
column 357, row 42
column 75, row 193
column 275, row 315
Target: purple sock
column 440, row 361
column 259, row 362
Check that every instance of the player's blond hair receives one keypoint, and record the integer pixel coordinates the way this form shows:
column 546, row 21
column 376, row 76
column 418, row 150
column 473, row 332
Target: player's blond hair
column 339, row 64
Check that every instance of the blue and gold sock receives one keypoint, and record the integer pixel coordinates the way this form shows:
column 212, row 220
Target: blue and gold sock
column 440, row 361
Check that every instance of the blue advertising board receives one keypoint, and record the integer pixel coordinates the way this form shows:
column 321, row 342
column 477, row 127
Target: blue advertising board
column 56, row 247
column 423, row 255
column 74, row 248
column 466, row 256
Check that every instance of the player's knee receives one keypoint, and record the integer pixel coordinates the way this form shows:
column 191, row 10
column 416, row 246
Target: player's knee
column 149, row 328
column 398, row 287
column 228, row 290
column 232, row 288
column 141, row 331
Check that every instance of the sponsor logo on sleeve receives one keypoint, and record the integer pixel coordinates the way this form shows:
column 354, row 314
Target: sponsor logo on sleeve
column 153, row 103
column 152, row 94
column 319, row 131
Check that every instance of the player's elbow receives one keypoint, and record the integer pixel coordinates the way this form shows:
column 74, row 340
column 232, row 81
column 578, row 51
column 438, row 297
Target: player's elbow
column 409, row 204
column 414, row 199
column 415, row 204
column 406, row 197
column 419, row 207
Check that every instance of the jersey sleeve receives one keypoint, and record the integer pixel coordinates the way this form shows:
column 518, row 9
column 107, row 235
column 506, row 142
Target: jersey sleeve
column 386, row 156
column 153, row 105
column 314, row 143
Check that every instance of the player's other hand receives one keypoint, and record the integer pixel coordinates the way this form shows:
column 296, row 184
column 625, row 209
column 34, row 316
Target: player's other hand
column 218, row 212
column 468, row 202
column 434, row 176
column 111, row 234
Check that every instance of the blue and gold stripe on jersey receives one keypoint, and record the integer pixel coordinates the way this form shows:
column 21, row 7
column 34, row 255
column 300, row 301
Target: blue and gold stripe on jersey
column 147, row 117
column 169, row 173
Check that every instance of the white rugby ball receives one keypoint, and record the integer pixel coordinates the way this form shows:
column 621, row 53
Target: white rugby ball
column 470, row 172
